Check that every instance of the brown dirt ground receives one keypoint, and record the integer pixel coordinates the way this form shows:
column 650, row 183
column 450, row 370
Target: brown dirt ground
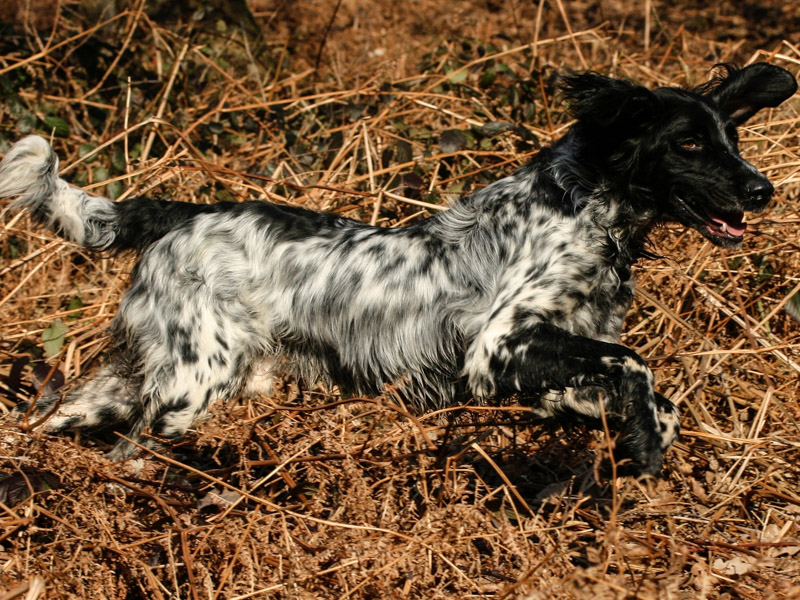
column 306, row 495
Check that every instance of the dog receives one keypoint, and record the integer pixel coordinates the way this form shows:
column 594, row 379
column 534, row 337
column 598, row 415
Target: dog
column 519, row 289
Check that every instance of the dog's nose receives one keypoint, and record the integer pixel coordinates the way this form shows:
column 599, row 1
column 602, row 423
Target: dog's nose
column 759, row 191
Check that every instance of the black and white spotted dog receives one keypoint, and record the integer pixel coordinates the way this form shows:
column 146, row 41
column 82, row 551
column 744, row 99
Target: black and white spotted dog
column 519, row 289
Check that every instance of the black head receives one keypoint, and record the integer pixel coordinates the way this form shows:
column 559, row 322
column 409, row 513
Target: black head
column 673, row 152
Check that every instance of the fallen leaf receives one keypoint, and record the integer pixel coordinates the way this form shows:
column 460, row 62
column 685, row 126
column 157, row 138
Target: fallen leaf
column 20, row 486
column 220, row 499
column 738, row 565
column 53, row 337
column 452, row 140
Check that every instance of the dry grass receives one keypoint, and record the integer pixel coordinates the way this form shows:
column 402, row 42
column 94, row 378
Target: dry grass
column 306, row 494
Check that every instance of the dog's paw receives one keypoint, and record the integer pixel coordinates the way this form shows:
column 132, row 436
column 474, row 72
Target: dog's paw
column 641, row 449
column 669, row 421
column 41, row 407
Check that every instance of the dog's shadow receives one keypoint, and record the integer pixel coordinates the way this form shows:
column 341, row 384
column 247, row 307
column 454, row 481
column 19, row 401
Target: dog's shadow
column 541, row 460
column 499, row 456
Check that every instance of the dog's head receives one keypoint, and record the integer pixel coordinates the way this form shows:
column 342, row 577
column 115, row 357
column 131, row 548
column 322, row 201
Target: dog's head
column 674, row 151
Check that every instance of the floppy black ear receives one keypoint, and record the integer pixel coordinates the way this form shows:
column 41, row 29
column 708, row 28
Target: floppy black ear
column 744, row 92
column 603, row 103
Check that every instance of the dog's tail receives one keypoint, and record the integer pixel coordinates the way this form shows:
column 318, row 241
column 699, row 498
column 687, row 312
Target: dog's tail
column 29, row 173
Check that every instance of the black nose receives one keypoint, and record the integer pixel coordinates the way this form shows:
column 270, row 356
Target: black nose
column 759, row 191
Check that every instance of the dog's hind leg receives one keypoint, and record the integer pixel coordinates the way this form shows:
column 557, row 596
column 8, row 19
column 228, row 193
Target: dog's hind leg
column 534, row 359
column 261, row 377
column 173, row 400
column 191, row 359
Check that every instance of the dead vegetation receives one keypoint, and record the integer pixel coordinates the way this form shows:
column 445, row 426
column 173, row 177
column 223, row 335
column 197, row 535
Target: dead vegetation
column 308, row 495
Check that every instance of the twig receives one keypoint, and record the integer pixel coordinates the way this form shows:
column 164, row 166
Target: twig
column 325, row 34
column 164, row 99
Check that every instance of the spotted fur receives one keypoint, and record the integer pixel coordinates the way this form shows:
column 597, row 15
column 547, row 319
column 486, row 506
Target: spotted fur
column 519, row 289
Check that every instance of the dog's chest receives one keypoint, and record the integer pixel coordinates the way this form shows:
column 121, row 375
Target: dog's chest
column 584, row 288
column 602, row 314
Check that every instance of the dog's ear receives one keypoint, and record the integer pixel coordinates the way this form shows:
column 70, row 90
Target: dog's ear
column 741, row 93
column 606, row 104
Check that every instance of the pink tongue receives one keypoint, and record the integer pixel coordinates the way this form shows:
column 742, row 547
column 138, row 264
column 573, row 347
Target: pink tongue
column 736, row 230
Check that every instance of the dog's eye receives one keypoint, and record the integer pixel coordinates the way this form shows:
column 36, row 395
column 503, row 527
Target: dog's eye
column 690, row 145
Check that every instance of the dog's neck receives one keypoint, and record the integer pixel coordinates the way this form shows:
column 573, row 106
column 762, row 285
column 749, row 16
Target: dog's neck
column 558, row 182
column 611, row 206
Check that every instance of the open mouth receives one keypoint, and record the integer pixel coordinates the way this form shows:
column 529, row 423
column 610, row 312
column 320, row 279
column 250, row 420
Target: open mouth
column 730, row 226
column 725, row 229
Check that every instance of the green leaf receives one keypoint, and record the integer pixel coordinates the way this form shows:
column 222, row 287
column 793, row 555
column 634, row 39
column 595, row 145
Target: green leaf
column 403, row 151
column 493, row 128
column 16, row 247
column 488, row 77
column 84, row 149
column 456, row 188
column 80, row 179
column 114, row 189
column 236, row 139
column 57, row 125
column 75, row 303
column 223, row 195
column 53, row 337
column 470, row 137
column 419, row 133
column 458, row 76
column 118, row 159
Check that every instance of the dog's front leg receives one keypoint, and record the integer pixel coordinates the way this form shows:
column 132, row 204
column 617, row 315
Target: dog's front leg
column 538, row 358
